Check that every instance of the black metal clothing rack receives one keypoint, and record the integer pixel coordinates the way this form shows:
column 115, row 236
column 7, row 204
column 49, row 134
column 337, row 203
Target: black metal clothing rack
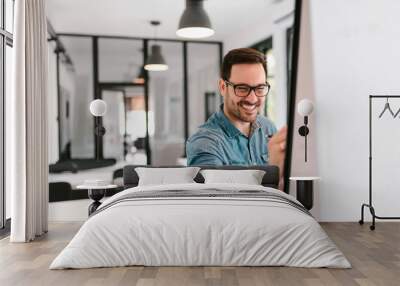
column 370, row 205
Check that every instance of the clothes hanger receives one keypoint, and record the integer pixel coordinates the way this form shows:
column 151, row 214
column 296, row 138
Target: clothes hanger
column 397, row 113
column 387, row 107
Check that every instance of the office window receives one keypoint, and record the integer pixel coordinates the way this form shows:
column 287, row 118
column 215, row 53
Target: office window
column 6, row 42
column 9, row 19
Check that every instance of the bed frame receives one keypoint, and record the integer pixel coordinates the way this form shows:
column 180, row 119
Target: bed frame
column 270, row 179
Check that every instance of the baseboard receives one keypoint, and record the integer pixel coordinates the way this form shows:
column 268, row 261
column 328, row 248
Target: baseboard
column 69, row 211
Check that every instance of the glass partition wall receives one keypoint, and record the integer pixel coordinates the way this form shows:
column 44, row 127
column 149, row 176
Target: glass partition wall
column 167, row 102
column 203, row 72
column 147, row 119
column 75, row 92
column 120, row 65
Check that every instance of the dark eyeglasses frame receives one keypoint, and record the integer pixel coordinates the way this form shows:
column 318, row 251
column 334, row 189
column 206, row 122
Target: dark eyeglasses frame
column 250, row 88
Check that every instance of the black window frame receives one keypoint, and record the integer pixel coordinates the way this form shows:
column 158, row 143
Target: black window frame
column 6, row 39
column 98, row 146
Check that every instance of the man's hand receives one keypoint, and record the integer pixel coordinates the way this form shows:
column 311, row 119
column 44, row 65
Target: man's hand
column 276, row 149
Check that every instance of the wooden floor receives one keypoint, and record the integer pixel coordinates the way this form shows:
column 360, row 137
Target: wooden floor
column 374, row 255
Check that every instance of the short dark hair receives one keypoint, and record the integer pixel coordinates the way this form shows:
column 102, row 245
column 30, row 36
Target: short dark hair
column 241, row 56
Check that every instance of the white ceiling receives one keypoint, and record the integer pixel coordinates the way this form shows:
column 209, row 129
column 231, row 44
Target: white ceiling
column 131, row 17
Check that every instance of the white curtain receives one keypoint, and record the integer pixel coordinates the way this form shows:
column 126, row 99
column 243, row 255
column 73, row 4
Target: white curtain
column 27, row 123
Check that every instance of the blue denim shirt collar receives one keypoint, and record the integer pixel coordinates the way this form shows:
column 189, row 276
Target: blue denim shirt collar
column 231, row 129
column 219, row 142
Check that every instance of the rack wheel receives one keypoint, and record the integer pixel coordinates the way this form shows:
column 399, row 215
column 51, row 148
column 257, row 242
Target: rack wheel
column 361, row 222
column 372, row 227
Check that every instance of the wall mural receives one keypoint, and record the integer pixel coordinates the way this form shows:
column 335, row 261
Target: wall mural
column 152, row 114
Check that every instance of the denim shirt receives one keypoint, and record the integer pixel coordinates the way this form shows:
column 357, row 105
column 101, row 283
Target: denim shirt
column 219, row 142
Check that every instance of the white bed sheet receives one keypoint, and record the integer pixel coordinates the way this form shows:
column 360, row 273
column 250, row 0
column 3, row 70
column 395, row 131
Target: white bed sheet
column 200, row 231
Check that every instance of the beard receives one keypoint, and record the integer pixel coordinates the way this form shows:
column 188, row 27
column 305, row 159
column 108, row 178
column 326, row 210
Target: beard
column 244, row 110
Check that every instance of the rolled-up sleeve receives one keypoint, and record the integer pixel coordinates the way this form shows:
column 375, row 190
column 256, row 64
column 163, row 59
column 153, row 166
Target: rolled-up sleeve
column 203, row 149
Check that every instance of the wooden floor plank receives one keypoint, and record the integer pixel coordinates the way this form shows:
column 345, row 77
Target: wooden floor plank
column 374, row 255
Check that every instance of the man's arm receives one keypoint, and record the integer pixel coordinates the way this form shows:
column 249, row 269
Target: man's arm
column 277, row 148
column 277, row 152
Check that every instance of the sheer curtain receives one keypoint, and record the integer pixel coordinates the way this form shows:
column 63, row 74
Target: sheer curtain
column 27, row 123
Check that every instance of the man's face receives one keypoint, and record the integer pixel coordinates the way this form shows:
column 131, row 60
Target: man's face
column 244, row 109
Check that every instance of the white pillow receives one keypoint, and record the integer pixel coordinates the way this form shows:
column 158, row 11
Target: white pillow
column 249, row 177
column 163, row 176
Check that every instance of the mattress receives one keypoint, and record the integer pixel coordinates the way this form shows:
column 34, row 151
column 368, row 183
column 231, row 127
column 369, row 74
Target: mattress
column 201, row 225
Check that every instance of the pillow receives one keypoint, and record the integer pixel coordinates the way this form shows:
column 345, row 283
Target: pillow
column 163, row 176
column 249, row 177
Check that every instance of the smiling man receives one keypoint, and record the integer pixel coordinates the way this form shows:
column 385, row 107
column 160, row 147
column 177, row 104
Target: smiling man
column 237, row 134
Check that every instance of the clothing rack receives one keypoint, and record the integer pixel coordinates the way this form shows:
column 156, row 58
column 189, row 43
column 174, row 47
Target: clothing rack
column 370, row 205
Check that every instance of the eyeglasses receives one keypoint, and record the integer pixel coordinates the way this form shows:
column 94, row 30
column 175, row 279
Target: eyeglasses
column 243, row 90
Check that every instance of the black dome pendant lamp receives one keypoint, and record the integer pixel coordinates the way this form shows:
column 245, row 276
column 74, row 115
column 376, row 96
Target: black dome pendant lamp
column 156, row 61
column 194, row 22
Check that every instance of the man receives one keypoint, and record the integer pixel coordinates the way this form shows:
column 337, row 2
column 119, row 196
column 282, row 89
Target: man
column 236, row 134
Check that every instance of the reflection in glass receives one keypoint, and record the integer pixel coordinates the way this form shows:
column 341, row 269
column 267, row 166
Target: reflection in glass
column 114, row 123
column 203, row 74
column 9, row 11
column 8, row 87
column 52, row 102
column 166, row 101
column 76, row 93
column 155, row 61
column 119, row 59
column 136, row 125
column 270, row 105
column 2, row 135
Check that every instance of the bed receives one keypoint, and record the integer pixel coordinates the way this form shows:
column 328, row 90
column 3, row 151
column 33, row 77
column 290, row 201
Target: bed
column 201, row 224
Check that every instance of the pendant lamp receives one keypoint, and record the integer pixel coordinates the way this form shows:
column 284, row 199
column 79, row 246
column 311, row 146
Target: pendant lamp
column 156, row 61
column 194, row 22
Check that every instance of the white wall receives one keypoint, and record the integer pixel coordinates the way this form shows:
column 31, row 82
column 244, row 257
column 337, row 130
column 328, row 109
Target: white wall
column 76, row 210
column 355, row 53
